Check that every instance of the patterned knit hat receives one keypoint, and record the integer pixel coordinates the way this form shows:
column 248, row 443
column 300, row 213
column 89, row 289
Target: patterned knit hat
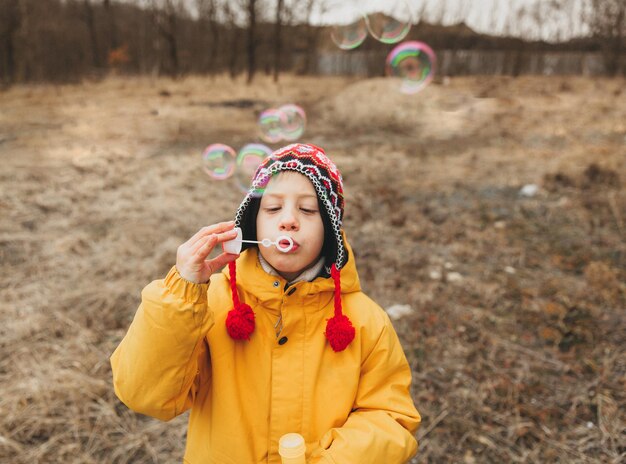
column 312, row 162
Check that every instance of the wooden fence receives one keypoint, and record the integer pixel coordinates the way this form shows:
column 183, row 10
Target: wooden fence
column 469, row 62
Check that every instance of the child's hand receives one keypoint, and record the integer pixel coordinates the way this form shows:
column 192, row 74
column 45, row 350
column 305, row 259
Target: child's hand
column 191, row 256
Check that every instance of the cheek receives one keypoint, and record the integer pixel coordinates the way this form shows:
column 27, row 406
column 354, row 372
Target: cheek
column 262, row 224
column 319, row 233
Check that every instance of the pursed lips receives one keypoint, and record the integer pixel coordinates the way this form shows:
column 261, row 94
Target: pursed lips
column 285, row 244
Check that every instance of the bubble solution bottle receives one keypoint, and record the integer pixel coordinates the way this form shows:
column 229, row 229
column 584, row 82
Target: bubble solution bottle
column 292, row 448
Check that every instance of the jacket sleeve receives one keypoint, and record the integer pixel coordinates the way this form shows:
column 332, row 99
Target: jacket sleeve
column 155, row 367
column 383, row 420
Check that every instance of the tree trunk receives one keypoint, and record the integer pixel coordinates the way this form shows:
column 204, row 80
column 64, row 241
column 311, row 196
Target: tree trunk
column 232, row 62
column 312, row 34
column 13, row 19
column 93, row 37
column 620, row 26
column 215, row 35
column 25, row 62
column 111, row 26
column 170, row 37
column 233, row 39
column 251, row 40
column 215, row 26
column 607, row 21
column 166, row 25
column 278, row 39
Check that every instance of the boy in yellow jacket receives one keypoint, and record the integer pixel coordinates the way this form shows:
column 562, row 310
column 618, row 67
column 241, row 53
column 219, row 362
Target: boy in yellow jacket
column 277, row 342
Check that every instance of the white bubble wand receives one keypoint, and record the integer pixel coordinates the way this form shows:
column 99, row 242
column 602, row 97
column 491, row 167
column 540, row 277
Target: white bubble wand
column 234, row 246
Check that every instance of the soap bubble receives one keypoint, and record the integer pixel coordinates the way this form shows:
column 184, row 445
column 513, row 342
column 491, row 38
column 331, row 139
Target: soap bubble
column 271, row 124
column 294, row 121
column 218, row 161
column 414, row 62
column 248, row 160
column 349, row 27
column 388, row 21
column 349, row 36
column 284, row 123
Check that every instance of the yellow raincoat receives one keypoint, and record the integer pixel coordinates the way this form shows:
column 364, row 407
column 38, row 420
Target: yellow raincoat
column 352, row 407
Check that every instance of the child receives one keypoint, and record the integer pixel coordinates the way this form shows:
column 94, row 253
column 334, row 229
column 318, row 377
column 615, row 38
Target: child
column 277, row 342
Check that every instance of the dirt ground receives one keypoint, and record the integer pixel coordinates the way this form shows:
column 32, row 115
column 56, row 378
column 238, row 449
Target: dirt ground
column 515, row 304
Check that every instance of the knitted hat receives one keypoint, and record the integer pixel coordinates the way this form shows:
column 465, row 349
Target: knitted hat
column 312, row 162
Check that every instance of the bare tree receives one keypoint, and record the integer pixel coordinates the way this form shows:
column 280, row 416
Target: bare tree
column 251, row 42
column 165, row 14
column 26, row 42
column 559, row 19
column 207, row 16
column 88, row 17
column 277, row 38
column 312, row 32
column 607, row 21
column 10, row 21
column 230, row 15
column 111, row 25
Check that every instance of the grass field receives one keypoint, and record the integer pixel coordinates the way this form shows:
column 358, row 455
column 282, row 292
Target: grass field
column 516, row 331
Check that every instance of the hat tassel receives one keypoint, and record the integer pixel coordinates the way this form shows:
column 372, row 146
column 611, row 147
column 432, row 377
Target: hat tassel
column 339, row 329
column 240, row 319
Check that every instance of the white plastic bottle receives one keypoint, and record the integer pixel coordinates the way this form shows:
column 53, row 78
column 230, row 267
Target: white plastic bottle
column 292, row 448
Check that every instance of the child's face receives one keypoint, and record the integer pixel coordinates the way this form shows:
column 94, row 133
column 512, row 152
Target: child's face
column 289, row 207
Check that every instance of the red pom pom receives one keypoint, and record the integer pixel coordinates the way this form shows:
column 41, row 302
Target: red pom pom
column 240, row 322
column 339, row 332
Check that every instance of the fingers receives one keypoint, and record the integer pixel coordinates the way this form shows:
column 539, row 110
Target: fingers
column 214, row 239
column 221, row 261
column 212, row 229
column 203, row 248
column 191, row 256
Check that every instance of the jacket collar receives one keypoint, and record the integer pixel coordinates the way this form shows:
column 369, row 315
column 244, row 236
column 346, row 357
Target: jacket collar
column 307, row 275
column 263, row 287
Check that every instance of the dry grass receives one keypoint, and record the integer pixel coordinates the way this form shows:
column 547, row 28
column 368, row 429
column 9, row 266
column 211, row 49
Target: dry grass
column 517, row 340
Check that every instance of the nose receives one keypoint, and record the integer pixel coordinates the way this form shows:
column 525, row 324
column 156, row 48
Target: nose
column 288, row 221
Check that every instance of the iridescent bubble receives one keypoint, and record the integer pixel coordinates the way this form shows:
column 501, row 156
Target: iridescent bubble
column 413, row 62
column 388, row 21
column 218, row 161
column 248, row 160
column 349, row 28
column 294, row 122
column 271, row 124
column 349, row 36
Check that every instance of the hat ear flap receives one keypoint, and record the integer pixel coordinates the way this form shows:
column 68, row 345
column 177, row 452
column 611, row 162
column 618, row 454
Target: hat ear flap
column 240, row 320
column 247, row 222
column 339, row 329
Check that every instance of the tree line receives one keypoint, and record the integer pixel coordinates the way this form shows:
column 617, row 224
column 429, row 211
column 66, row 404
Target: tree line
column 67, row 40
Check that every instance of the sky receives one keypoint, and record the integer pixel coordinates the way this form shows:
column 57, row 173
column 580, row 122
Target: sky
column 533, row 19
column 527, row 18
